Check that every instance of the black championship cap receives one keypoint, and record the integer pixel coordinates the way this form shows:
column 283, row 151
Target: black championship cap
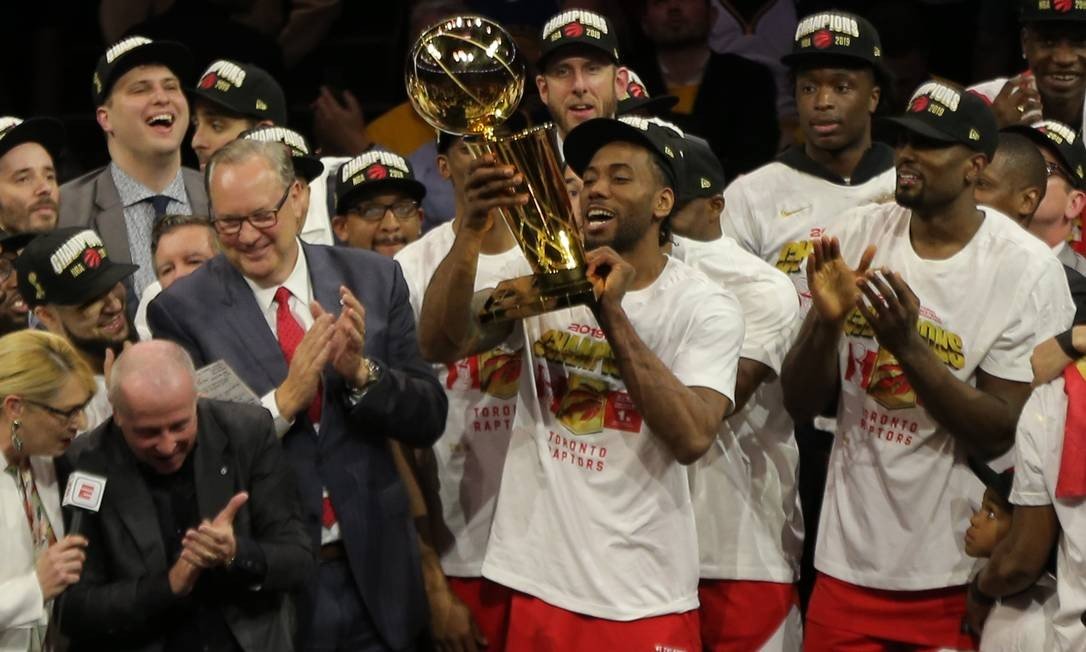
column 638, row 101
column 376, row 170
column 244, row 89
column 1062, row 141
column 1041, row 11
column 134, row 51
column 951, row 115
column 658, row 136
column 999, row 483
column 306, row 165
column 700, row 172
column 68, row 267
column 827, row 35
column 578, row 27
column 47, row 132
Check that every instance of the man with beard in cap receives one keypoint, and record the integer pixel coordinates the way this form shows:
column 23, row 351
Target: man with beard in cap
column 29, row 193
column 378, row 203
column 144, row 114
column 580, row 76
column 927, row 344
column 77, row 291
column 593, row 534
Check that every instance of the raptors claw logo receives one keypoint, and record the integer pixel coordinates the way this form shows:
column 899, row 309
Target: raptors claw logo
column 573, row 30
column 1062, row 6
column 919, row 104
column 92, row 258
column 209, row 80
column 376, row 172
column 822, row 39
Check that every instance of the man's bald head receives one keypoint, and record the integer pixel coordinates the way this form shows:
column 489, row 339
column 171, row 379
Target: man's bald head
column 1014, row 182
column 149, row 369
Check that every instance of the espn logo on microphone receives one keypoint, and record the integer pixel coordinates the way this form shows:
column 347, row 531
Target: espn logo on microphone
column 84, row 490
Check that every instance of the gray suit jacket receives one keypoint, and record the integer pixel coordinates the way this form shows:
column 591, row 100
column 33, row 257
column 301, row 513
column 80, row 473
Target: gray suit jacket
column 92, row 200
column 123, row 600
column 1071, row 258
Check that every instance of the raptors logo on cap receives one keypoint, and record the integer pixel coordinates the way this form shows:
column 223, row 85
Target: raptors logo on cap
column 1062, row 6
column 919, row 103
column 573, row 30
column 92, row 258
column 376, row 171
column 822, row 39
column 208, row 80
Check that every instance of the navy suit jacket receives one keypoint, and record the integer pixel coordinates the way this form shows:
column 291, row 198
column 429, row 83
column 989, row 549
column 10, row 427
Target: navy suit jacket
column 214, row 315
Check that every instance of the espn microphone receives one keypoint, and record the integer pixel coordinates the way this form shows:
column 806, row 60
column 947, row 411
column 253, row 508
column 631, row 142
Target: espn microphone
column 84, row 493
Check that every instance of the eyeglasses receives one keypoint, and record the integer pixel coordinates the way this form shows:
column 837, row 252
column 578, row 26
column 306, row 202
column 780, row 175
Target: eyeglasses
column 405, row 209
column 67, row 416
column 228, row 225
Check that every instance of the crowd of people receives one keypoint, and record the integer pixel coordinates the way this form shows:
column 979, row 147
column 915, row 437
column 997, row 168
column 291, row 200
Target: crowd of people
column 825, row 397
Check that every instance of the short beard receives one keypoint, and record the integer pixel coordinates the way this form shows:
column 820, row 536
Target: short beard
column 96, row 348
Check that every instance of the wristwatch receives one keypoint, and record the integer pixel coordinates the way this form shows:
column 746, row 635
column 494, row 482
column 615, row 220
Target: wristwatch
column 373, row 374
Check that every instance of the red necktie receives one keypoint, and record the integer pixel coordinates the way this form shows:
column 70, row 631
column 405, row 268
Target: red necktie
column 1071, row 482
column 290, row 334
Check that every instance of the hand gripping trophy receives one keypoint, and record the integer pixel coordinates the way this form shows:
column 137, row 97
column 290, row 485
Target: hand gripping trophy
column 464, row 76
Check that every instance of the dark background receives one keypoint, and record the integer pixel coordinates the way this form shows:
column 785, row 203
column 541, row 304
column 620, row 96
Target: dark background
column 50, row 48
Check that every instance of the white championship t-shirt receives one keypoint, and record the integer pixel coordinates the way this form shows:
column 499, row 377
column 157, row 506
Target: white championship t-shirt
column 1039, row 447
column 1022, row 622
column 746, row 497
column 776, row 210
column 898, row 490
column 482, row 392
column 594, row 513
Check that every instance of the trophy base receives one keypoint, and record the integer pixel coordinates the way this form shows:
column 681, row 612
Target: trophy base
column 535, row 294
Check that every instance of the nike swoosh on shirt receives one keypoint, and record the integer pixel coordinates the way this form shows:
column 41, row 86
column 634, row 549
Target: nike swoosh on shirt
column 788, row 213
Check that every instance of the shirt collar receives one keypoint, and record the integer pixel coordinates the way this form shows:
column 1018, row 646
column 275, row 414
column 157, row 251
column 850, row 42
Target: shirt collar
column 297, row 283
column 133, row 192
column 877, row 159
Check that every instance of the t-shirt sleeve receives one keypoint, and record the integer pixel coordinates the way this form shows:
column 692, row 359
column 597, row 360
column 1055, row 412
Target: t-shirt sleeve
column 738, row 220
column 771, row 315
column 1042, row 419
column 1040, row 310
column 709, row 356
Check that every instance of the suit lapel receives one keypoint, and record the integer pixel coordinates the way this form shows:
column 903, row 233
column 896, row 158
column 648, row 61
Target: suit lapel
column 246, row 320
column 131, row 499
column 324, row 277
column 110, row 220
column 195, row 190
column 212, row 470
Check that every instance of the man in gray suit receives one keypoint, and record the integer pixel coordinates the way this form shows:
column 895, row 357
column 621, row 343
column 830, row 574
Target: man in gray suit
column 144, row 115
column 199, row 536
column 326, row 336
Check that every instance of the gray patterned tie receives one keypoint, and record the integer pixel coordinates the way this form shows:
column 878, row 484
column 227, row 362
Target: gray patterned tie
column 141, row 242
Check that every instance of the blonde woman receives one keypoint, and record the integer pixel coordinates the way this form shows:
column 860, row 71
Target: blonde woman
column 44, row 385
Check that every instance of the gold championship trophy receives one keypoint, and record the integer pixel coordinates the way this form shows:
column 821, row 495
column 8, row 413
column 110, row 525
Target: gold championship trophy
column 465, row 77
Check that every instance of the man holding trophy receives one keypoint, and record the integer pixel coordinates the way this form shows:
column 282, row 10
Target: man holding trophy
column 622, row 384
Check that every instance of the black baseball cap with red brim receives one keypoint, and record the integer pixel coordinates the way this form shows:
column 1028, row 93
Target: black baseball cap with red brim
column 948, row 114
